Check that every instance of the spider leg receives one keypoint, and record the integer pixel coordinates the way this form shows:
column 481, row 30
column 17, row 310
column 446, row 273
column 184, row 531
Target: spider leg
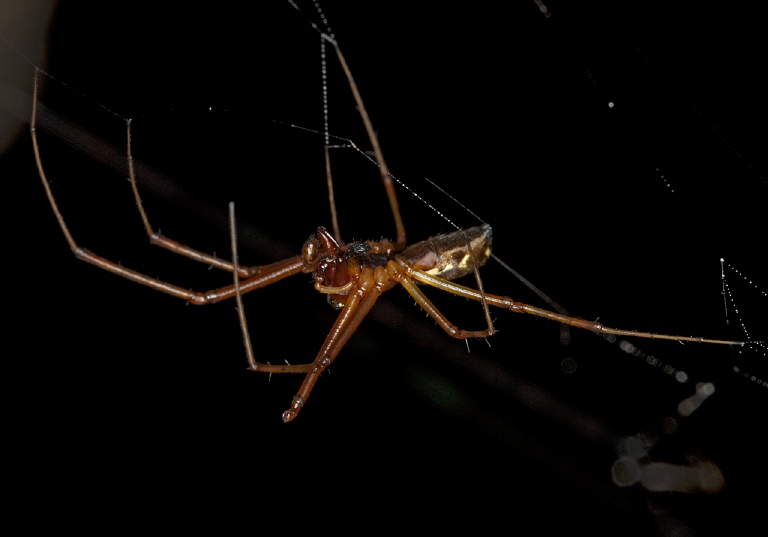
column 252, row 363
column 421, row 299
column 260, row 276
column 408, row 273
column 386, row 178
column 158, row 239
column 370, row 284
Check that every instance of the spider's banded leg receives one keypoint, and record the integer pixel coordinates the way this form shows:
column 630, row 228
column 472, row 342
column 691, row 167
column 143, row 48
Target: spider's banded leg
column 480, row 288
column 370, row 285
column 520, row 307
column 238, row 295
column 400, row 241
column 158, row 239
column 257, row 276
column 430, row 308
column 252, row 363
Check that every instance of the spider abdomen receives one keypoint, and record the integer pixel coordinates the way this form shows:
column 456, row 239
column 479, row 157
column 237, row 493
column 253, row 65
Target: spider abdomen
column 452, row 255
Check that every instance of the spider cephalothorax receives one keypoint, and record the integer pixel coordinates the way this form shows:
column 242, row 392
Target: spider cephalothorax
column 336, row 268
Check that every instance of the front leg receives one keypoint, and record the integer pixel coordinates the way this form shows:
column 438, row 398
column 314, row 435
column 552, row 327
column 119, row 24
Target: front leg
column 368, row 288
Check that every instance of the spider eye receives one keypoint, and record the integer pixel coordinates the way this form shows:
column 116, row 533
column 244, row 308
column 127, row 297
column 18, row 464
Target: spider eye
column 358, row 248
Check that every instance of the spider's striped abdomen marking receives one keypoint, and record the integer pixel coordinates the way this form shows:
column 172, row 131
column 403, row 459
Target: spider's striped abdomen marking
column 453, row 255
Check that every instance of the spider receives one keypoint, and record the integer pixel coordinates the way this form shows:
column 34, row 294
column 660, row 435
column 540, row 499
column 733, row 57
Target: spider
column 352, row 276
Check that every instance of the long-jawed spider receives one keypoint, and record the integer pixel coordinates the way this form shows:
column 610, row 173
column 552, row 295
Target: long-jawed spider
column 353, row 276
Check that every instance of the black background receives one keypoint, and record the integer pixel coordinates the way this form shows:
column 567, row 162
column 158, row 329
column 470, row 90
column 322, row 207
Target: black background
column 619, row 213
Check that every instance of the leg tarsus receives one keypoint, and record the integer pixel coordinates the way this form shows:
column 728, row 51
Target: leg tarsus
column 291, row 413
